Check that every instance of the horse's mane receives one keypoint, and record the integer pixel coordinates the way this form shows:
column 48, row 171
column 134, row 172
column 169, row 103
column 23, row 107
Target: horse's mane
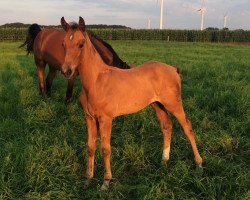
column 117, row 61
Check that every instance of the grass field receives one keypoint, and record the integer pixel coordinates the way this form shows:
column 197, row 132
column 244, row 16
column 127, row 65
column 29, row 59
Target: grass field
column 43, row 146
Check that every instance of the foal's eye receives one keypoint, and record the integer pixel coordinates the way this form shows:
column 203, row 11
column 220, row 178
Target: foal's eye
column 80, row 46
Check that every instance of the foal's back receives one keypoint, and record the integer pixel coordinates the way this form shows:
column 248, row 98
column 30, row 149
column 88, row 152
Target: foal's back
column 151, row 72
column 129, row 91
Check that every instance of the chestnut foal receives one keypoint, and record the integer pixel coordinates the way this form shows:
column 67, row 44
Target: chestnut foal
column 108, row 92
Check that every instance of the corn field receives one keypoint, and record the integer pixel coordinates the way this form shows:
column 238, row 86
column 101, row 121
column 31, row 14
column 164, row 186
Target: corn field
column 17, row 34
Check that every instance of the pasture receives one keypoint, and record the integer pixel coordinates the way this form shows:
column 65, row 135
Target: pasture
column 43, row 145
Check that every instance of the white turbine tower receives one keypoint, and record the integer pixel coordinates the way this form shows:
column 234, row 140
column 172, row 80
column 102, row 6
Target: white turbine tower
column 225, row 21
column 161, row 13
column 149, row 23
column 161, row 17
column 202, row 11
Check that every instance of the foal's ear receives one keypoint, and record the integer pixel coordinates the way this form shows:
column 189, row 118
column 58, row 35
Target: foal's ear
column 81, row 24
column 64, row 24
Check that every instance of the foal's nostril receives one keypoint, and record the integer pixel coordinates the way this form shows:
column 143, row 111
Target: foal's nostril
column 68, row 72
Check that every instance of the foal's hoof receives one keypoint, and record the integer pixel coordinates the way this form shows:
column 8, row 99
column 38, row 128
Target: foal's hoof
column 105, row 185
column 200, row 169
column 164, row 162
column 86, row 184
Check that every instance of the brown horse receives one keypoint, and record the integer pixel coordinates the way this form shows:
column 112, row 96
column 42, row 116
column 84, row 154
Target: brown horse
column 103, row 99
column 47, row 48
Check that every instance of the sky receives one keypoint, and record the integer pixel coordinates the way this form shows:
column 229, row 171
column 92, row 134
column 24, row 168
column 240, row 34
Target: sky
column 178, row 14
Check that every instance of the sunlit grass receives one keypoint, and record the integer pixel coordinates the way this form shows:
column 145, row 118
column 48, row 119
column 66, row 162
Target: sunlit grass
column 43, row 146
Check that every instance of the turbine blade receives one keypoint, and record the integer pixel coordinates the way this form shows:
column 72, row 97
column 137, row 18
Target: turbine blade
column 202, row 3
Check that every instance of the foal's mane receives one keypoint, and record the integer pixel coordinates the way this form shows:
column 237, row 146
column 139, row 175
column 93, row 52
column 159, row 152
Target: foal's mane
column 73, row 25
column 117, row 62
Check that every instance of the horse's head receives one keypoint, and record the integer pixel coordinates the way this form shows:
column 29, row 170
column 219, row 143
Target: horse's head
column 73, row 44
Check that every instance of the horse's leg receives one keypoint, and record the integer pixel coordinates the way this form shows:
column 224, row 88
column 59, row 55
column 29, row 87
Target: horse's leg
column 92, row 136
column 69, row 90
column 176, row 108
column 188, row 130
column 166, row 127
column 105, row 124
column 40, row 72
column 50, row 77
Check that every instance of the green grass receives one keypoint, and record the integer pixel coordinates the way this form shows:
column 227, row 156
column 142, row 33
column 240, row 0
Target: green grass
column 43, row 146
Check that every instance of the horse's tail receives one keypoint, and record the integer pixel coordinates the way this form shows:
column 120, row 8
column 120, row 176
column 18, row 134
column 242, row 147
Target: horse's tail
column 33, row 30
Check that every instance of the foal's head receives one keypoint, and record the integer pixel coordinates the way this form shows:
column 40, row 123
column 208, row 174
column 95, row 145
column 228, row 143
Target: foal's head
column 73, row 44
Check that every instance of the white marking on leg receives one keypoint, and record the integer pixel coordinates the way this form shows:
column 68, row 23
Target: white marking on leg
column 165, row 155
column 105, row 185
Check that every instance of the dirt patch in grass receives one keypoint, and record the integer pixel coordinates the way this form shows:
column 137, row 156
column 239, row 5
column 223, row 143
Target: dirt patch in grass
column 237, row 43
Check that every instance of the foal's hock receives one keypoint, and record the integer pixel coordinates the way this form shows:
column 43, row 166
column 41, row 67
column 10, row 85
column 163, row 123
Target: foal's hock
column 109, row 92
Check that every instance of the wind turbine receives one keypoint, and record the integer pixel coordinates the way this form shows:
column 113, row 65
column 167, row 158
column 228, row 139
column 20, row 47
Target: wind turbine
column 149, row 23
column 161, row 13
column 202, row 11
column 225, row 21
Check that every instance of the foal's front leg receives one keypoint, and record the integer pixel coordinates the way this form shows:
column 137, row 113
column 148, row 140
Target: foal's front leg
column 105, row 132
column 92, row 136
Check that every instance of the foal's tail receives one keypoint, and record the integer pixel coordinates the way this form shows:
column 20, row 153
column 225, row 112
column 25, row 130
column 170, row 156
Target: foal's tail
column 33, row 30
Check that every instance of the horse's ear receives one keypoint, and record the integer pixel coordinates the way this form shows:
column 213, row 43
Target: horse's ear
column 64, row 24
column 81, row 24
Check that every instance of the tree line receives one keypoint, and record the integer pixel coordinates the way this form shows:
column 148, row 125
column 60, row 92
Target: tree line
column 91, row 26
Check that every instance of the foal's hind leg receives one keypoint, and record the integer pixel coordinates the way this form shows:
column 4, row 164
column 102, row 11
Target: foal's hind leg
column 166, row 127
column 50, row 77
column 176, row 108
column 188, row 130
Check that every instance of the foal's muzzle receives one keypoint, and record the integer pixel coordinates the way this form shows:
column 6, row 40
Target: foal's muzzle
column 67, row 72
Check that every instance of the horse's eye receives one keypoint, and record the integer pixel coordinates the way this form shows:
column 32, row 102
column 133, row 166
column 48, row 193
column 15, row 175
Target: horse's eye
column 80, row 46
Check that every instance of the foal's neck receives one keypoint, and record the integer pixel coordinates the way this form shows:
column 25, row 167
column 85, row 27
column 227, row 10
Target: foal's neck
column 91, row 65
